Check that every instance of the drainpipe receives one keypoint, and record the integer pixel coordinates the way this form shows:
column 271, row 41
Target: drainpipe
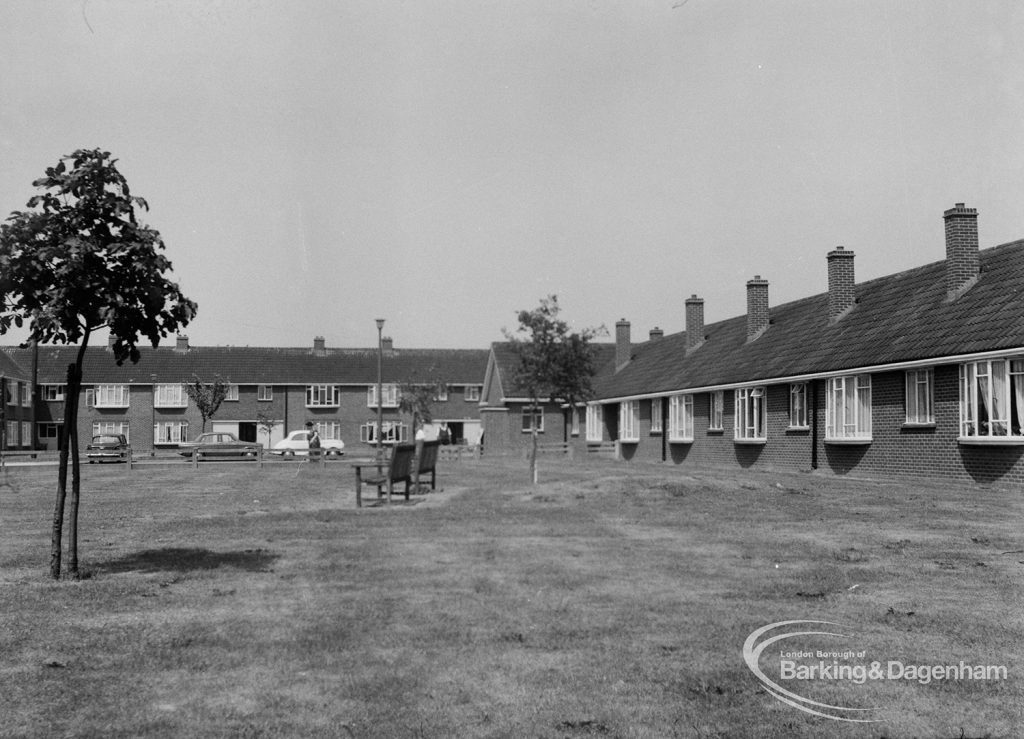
column 814, row 423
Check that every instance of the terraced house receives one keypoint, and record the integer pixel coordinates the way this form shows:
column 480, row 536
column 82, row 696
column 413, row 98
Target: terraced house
column 272, row 391
column 917, row 374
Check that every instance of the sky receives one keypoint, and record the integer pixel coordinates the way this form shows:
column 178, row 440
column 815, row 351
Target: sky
column 315, row 165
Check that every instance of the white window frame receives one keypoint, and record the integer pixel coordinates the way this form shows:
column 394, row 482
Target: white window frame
column 680, row 418
column 848, row 409
column 323, row 396
column 471, row 393
column 595, row 422
column 12, row 434
column 169, row 395
column 54, row 393
column 176, row 432
column 750, row 415
column 441, row 396
column 629, row 421
column 11, row 391
column 716, row 410
column 26, row 433
column 996, row 384
column 657, row 422
column 798, row 414
column 231, row 392
column 109, row 396
column 329, row 430
column 112, row 427
column 26, row 394
column 920, row 397
column 264, row 392
column 532, row 414
column 388, row 390
column 574, row 421
column 367, row 432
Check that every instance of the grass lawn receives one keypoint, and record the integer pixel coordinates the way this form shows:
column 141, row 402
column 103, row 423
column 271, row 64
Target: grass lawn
column 609, row 600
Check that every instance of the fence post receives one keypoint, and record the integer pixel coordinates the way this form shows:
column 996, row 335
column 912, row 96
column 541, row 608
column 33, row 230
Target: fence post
column 128, row 460
column 195, row 459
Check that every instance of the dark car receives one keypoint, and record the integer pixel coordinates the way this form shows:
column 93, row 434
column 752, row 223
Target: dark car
column 107, row 448
column 218, row 444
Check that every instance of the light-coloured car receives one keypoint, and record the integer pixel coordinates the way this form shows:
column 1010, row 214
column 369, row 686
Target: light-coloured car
column 297, row 444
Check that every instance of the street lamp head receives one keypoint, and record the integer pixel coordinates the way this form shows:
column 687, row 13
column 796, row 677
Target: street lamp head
column 380, row 324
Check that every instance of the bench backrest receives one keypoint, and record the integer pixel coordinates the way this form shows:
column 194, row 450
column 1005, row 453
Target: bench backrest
column 400, row 467
column 428, row 456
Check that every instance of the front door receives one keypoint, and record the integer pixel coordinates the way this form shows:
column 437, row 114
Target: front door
column 247, row 431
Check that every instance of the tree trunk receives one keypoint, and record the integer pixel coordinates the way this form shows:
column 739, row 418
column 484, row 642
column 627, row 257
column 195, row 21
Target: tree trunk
column 62, row 482
column 76, row 478
column 533, row 454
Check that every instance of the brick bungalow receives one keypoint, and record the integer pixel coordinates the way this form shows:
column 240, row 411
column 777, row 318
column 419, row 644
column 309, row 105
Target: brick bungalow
column 916, row 374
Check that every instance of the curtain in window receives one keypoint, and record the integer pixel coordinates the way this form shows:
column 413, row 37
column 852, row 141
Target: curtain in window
column 1017, row 390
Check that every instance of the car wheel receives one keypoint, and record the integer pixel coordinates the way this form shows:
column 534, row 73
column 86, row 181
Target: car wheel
column 289, row 453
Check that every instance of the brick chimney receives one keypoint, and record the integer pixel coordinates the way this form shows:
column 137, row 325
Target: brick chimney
column 387, row 343
column 694, row 322
column 757, row 307
column 840, row 283
column 623, row 347
column 319, row 344
column 656, row 333
column 110, row 341
column 962, row 261
column 181, row 343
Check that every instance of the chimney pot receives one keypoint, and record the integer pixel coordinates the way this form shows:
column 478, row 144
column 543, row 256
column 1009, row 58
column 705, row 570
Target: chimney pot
column 181, row 343
column 656, row 333
column 387, row 343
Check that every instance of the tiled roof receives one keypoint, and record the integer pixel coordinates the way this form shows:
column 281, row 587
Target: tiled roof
column 11, row 368
column 897, row 318
column 506, row 361
column 261, row 365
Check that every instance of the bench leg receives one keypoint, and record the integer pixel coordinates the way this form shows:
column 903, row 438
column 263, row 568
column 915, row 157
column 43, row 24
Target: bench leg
column 407, row 488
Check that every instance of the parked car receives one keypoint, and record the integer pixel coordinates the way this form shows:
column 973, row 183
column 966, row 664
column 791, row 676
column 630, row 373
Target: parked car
column 218, row 444
column 297, row 443
column 107, row 448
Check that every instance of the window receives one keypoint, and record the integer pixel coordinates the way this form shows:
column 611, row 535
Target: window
column 441, row 395
column 107, row 396
column 920, row 409
column 656, row 421
column 318, row 396
column 533, row 418
column 26, row 395
column 49, row 431
column 595, row 422
column 390, row 393
column 54, row 392
column 393, row 432
column 26, row 433
column 992, row 399
column 12, row 433
column 848, row 401
column 231, row 392
column 329, row 430
column 170, row 432
column 264, row 392
column 629, row 420
column 715, row 410
column 798, row 405
column 11, row 391
column 471, row 392
column 170, row 395
column 749, row 415
column 110, row 427
column 680, row 418
column 574, row 416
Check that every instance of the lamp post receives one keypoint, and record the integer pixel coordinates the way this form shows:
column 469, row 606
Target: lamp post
column 380, row 389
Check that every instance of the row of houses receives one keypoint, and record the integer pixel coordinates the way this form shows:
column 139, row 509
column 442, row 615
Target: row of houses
column 916, row 374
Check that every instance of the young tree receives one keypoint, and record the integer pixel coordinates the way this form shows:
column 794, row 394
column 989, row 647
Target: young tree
column 416, row 399
column 75, row 262
column 266, row 423
column 207, row 396
column 555, row 364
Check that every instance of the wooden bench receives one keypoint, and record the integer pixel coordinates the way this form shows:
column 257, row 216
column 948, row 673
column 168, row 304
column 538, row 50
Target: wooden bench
column 427, row 461
column 399, row 469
